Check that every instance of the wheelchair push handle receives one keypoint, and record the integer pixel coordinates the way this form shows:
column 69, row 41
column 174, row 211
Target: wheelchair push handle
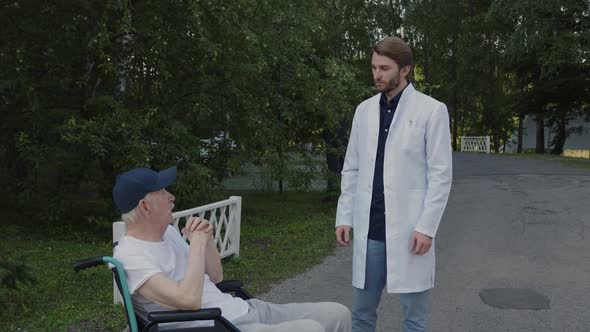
column 88, row 263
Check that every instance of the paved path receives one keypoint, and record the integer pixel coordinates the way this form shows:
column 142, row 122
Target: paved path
column 510, row 223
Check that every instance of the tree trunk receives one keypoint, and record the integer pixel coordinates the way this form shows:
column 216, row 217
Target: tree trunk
column 453, row 102
column 540, row 146
column 123, row 56
column 336, row 141
column 455, row 129
column 334, row 163
column 560, row 134
column 281, row 170
column 520, row 129
column 426, row 62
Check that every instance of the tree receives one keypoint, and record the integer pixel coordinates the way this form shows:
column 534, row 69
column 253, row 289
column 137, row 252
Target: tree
column 548, row 49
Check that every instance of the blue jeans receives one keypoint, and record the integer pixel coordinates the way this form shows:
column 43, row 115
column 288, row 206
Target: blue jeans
column 365, row 301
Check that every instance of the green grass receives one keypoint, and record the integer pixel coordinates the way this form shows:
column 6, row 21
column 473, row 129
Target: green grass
column 569, row 161
column 282, row 235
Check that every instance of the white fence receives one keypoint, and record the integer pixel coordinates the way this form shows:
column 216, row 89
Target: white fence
column 475, row 144
column 224, row 215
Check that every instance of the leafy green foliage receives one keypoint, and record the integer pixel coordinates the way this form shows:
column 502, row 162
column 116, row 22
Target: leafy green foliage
column 90, row 90
column 14, row 273
column 547, row 46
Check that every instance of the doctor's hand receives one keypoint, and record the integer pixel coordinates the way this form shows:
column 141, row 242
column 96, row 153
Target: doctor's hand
column 343, row 235
column 420, row 243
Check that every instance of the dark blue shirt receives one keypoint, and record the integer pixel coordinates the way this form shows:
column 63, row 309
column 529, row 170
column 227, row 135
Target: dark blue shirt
column 377, row 215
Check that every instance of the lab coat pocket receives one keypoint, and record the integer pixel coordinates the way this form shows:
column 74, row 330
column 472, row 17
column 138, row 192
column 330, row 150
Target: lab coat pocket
column 413, row 138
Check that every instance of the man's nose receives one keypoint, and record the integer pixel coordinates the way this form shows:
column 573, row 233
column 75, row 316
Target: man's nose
column 172, row 198
column 376, row 74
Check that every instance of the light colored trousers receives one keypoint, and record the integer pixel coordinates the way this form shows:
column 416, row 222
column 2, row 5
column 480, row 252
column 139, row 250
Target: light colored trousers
column 297, row 317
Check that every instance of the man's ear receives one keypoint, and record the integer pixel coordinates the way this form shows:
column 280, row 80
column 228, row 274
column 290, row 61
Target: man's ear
column 405, row 71
column 143, row 207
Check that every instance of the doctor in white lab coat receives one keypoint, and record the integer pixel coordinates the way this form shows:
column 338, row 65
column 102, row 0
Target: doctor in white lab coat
column 395, row 184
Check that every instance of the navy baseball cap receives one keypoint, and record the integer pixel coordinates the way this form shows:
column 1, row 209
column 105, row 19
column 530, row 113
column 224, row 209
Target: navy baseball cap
column 132, row 186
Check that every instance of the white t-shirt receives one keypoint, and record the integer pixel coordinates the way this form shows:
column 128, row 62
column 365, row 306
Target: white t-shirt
column 142, row 259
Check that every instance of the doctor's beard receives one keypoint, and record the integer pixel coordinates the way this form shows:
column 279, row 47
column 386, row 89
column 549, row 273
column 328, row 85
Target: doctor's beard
column 390, row 85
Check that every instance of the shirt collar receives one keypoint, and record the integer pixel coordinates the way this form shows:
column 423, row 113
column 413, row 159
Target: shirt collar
column 394, row 100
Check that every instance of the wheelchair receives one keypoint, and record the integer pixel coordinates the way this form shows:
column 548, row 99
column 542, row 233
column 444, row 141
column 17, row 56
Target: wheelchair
column 137, row 324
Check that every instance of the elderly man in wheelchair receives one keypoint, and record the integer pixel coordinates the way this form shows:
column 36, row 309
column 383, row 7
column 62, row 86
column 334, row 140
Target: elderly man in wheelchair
column 163, row 272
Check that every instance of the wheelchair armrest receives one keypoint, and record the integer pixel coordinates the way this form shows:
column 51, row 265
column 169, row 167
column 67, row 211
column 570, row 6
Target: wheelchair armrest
column 234, row 286
column 229, row 285
column 184, row 315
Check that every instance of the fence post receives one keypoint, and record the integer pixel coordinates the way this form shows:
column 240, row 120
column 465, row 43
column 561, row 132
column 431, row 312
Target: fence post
column 119, row 230
column 462, row 140
column 488, row 144
column 235, row 236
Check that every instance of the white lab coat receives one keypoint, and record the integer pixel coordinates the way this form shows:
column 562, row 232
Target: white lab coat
column 417, row 173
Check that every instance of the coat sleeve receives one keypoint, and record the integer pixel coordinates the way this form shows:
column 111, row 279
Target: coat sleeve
column 439, row 171
column 348, row 183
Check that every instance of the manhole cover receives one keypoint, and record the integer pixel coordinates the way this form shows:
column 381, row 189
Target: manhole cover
column 514, row 298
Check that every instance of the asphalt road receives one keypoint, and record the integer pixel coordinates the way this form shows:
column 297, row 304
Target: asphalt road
column 511, row 222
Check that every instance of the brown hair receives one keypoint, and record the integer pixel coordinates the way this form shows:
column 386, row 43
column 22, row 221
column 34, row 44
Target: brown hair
column 397, row 50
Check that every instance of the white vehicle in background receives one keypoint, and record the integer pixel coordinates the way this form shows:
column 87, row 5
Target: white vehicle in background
column 210, row 146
